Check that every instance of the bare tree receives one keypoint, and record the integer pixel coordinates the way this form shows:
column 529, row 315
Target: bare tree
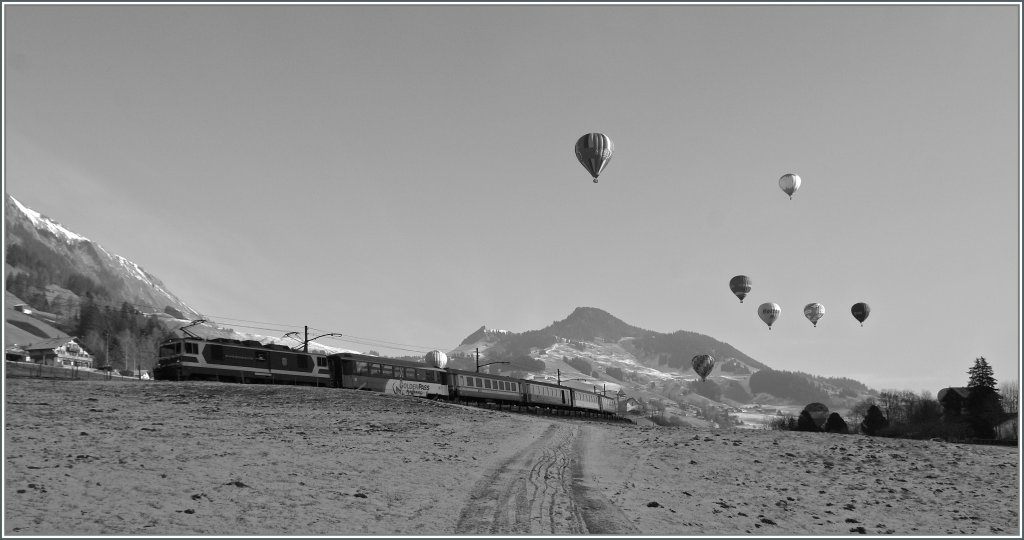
column 1009, row 395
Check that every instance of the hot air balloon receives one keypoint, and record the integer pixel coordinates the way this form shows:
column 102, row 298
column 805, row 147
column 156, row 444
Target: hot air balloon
column 702, row 364
column 594, row 150
column 769, row 312
column 813, row 312
column 740, row 286
column 436, row 358
column 789, row 184
column 860, row 312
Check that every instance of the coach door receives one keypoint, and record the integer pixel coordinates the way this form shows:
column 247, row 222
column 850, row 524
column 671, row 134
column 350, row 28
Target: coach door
column 261, row 363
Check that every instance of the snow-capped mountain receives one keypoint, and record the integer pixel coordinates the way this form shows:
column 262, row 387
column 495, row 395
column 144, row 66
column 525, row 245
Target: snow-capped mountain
column 593, row 349
column 46, row 259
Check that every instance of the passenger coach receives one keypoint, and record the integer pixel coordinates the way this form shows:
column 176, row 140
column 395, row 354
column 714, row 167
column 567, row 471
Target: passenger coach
column 365, row 372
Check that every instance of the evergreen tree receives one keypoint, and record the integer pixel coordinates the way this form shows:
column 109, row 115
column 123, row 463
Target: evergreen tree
column 806, row 423
column 981, row 375
column 836, row 424
column 874, row 421
column 984, row 409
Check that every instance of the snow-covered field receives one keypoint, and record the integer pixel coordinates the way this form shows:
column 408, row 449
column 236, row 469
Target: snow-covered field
column 162, row 458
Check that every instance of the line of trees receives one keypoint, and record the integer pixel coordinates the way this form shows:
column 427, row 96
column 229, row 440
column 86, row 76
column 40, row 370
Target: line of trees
column 123, row 339
column 904, row 414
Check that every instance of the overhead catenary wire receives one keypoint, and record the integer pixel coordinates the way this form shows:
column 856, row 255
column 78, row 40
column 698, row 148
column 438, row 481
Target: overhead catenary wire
column 275, row 327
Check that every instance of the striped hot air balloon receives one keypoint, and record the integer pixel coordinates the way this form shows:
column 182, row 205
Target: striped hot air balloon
column 740, row 286
column 594, row 150
column 436, row 359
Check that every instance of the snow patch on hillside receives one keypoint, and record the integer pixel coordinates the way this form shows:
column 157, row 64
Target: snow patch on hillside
column 42, row 222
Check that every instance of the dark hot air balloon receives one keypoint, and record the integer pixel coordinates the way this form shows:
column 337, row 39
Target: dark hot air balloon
column 740, row 286
column 594, row 150
column 860, row 312
column 702, row 364
column 769, row 313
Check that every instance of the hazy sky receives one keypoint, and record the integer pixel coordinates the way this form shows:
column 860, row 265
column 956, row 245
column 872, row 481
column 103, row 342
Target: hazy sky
column 406, row 173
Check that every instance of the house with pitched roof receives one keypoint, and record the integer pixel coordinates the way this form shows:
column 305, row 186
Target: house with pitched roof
column 59, row 351
column 953, row 400
column 14, row 353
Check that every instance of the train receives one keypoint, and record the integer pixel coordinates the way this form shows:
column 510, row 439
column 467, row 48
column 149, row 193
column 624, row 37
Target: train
column 247, row 361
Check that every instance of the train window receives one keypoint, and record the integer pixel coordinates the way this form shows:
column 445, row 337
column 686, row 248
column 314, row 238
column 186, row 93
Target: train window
column 374, row 370
column 216, row 352
column 512, row 386
column 191, row 348
column 387, row 371
column 321, row 362
column 360, row 368
column 170, row 349
column 303, row 362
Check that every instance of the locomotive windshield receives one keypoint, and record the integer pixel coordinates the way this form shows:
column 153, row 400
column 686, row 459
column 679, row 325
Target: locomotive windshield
column 170, row 349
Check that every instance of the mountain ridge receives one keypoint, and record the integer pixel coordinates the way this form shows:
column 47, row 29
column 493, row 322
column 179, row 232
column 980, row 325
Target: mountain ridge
column 41, row 253
column 64, row 272
column 593, row 347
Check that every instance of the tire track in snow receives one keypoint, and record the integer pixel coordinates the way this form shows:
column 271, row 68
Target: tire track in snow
column 539, row 491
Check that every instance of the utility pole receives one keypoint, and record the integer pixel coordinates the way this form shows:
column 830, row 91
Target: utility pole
column 305, row 342
column 487, row 364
